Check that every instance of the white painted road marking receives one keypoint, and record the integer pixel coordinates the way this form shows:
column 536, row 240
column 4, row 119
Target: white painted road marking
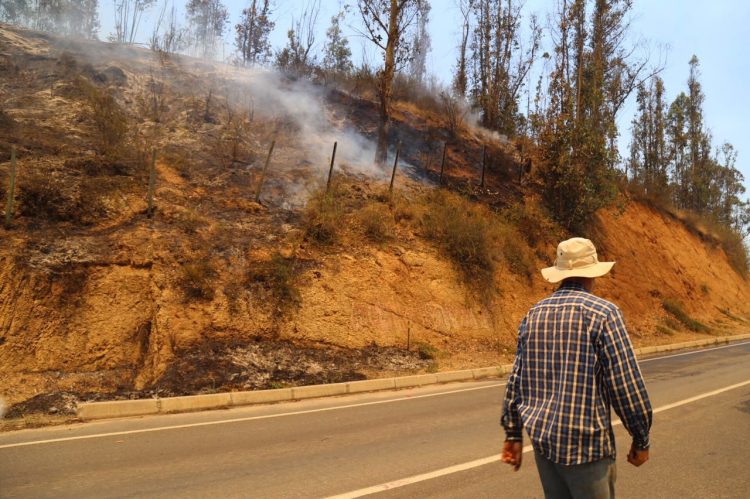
column 492, row 459
column 693, row 352
column 251, row 418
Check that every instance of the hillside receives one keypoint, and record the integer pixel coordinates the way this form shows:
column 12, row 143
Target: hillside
column 218, row 292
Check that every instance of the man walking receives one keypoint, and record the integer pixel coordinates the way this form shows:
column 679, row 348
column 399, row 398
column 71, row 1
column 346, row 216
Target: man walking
column 574, row 361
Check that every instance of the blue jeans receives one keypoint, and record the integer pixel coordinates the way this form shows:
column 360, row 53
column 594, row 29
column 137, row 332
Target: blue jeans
column 579, row 481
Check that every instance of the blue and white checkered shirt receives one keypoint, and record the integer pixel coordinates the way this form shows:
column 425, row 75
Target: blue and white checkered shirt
column 574, row 361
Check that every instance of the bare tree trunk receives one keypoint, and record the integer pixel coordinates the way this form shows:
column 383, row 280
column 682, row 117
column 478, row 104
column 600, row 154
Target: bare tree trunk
column 461, row 81
column 386, row 83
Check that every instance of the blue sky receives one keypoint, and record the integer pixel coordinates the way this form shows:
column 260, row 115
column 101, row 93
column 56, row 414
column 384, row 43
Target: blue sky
column 717, row 32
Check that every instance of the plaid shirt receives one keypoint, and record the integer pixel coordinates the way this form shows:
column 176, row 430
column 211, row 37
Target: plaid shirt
column 574, row 361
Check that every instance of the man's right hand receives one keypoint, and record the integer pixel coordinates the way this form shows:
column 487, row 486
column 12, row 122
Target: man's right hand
column 637, row 456
column 512, row 453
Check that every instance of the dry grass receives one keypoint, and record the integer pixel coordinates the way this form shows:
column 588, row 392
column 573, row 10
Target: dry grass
column 277, row 278
column 377, row 222
column 676, row 310
column 706, row 229
column 109, row 120
column 198, row 280
column 323, row 215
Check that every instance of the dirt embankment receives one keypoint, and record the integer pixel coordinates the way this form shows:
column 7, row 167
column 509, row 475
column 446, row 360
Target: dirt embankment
column 218, row 292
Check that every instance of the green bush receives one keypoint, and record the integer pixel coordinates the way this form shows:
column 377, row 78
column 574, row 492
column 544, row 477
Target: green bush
column 676, row 310
column 463, row 232
column 425, row 351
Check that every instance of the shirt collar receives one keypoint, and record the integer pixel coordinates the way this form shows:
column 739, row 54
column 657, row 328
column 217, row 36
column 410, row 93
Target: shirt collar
column 572, row 286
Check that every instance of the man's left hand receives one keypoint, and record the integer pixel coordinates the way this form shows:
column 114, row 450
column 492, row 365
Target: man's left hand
column 637, row 456
column 512, row 453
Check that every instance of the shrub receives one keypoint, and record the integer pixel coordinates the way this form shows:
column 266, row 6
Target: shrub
column 676, row 310
column 425, row 351
column 463, row 232
column 664, row 330
column 732, row 316
column 515, row 253
column 533, row 223
column 109, row 120
column 671, row 323
column 377, row 222
column 736, row 251
column 323, row 216
column 454, row 111
column 49, row 195
column 278, row 278
column 198, row 280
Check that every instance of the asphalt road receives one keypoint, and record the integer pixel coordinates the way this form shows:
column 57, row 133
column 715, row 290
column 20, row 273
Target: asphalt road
column 439, row 441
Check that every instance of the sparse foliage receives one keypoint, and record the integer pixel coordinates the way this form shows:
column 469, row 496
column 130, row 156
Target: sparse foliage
column 500, row 63
column 297, row 57
column 454, row 111
column 206, row 20
column 420, row 45
column 462, row 231
column 337, row 57
column 168, row 36
column 66, row 17
column 323, row 215
column 377, row 222
column 109, row 120
column 252, row 33
column 278, row 278
column 460, row 78
column 128, row 14
column 386, row 23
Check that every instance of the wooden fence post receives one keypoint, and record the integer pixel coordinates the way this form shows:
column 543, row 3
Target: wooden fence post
column 442, row 163
column 330, row 170
column 395, row 165
column 484, row 164
column 151, row 184
column 263, row 173
column 11, row 188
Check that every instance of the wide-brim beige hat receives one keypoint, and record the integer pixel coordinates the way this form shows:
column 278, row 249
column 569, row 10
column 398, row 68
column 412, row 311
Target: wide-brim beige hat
column 576, row 257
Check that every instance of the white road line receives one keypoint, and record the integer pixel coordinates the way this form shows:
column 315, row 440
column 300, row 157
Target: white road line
column 640, row 361
column 492, row 459
column 251, row 418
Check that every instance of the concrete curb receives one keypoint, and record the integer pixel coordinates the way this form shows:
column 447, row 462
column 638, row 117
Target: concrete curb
column 143, row 407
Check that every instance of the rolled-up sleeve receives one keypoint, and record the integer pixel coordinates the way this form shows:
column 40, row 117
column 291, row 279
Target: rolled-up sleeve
column 511, row 419
column 623, row 379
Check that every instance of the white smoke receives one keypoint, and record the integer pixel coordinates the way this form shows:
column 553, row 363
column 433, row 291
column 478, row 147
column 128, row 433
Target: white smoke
column 305, row 105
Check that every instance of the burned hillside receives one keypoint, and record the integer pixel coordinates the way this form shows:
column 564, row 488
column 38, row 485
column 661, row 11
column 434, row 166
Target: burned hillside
column 252, row 270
